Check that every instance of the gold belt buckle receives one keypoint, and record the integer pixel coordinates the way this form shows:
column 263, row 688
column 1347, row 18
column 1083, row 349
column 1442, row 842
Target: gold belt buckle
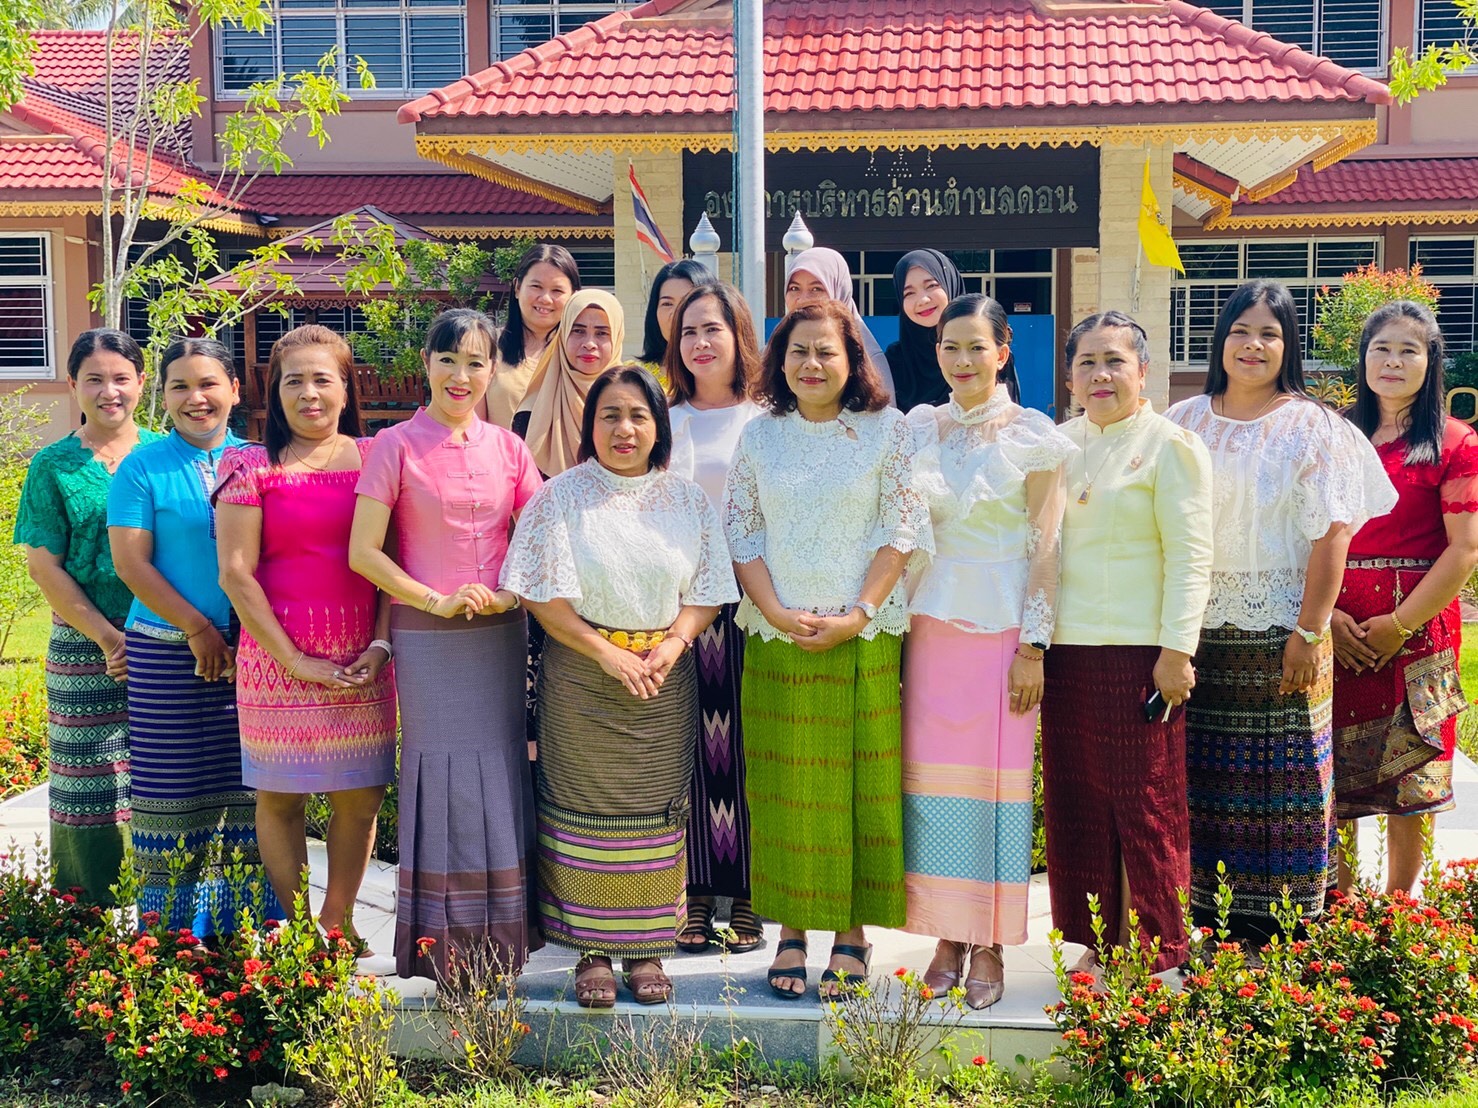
column 638, row 642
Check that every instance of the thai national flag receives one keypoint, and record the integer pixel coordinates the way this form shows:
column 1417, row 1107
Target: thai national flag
column 647, row 230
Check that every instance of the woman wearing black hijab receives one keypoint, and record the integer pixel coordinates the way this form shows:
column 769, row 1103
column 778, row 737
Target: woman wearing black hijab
column 926, row 281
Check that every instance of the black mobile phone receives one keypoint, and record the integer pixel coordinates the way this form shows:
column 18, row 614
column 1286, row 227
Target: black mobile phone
column 1154, row 707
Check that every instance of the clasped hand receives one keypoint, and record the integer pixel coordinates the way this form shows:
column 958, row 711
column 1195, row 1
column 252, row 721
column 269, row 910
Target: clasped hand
column 1367, row 645
column 817, row 634
column 643, row 676
column 474, row 600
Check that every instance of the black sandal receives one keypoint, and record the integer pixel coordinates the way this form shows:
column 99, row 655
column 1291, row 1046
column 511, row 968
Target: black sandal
column 795, row 973
column 743, row 921
column 700, row 918
column 862, row 954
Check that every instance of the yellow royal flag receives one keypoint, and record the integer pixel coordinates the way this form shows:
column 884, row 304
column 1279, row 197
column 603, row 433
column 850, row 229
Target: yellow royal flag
column 1154, row 232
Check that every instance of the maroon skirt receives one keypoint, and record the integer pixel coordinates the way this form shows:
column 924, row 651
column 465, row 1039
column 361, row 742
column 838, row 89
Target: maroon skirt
column 1114, row 792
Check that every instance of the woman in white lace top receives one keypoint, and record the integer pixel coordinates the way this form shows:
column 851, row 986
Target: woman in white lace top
column 624, row 564
column 821, row 515
column 981, row 618
column 1292, row 483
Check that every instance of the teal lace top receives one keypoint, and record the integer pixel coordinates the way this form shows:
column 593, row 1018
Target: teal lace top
column 64, row 508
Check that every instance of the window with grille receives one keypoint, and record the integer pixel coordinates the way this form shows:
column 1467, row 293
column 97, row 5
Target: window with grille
column 597, row 267
column 1350, row 32
column 1213, row 270
column 1439, row 23
column 409, row 45
column 26, row 316
column 1451, row 263
column 519, row 25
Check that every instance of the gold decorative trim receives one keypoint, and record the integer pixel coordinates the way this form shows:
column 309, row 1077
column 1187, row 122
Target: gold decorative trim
column 1272, row 185
column 463, row 156
column 1337, row 150
column 1338, row 219
column 443, row 148
column 1219, row 203
column 233, row 223
column 543, row 234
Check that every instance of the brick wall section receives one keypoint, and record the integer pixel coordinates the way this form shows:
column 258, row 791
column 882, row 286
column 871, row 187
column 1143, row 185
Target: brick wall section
column 661, row 177
column 1121, row 176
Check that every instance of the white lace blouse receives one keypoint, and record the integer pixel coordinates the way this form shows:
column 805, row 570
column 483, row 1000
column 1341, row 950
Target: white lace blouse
column 997, row 531
column 703, row 443
column 627, row 552
column 817, row 501
column 1279, row 482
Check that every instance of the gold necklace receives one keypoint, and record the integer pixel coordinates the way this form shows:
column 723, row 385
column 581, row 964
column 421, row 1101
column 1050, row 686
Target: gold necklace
column 332, row 454
column 1088, row 488
column 107, row 461
column 1254, row 419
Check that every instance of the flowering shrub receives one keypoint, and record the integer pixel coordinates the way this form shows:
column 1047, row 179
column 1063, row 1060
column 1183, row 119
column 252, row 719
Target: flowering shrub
column 1418, row 959
column 37, row 925
column 884, row 1027
column 1340, row 314
column 1293, row 1031
column 171, row 1012
column 23, row 738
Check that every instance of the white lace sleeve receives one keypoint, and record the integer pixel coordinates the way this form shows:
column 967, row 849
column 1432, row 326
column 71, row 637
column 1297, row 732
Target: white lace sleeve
column 903, row 514
column 1341, row 481
column 1046, row 500
column 1032, row 443
column 744, row 522
column 541, row 562
column 713, row 581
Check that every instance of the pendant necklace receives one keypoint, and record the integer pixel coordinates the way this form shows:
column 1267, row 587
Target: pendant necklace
column 1088, row 488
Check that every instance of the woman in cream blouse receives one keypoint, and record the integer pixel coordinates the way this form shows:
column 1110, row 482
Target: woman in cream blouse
column 1136, row 570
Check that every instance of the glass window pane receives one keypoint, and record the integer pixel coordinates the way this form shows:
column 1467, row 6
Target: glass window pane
column 23, row 328
column 1203, row 303
column 1351, row 34
column 880, row 263
column 1444, row 257
column 1231, row 9
column 305, row 41
column 22, row 256
column 970, row 261
column 246, row 58
column 1458, row 315
column 1439, row 23
column 1278, row 259
column 1023, row 261
column 1290, row 21
column 376, row 39
column 569, row 20
column 1205, row 260
column 436, row 53
column 1335, row 258
column 523, row 31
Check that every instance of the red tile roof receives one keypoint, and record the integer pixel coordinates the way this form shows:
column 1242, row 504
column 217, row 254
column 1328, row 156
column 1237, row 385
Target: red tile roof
column 41, row 166
column 320, row 194
column 868, row 55
column 1400, row 182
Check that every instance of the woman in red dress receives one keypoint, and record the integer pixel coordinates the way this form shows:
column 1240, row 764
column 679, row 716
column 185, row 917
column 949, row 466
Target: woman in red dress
column 1397, row 624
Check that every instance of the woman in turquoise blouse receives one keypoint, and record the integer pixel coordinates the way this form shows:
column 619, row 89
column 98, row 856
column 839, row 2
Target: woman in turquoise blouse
column 63, row 524
column 181, row 703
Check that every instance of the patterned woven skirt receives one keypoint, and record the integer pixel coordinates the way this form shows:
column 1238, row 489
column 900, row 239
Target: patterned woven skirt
column 823, row 751
column 1395, row 728
column 718, row 836
column 1114, row 793
column 191, row 813
column 967, row 786
column 87, row 762
column 302, row 737
column 1260, row 778
column 466, row 797
column 614, row 773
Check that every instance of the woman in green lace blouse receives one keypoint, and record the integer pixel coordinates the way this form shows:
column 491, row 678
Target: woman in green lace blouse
column 63, row 524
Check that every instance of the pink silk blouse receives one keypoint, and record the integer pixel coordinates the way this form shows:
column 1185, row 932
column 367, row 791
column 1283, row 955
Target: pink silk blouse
column 451, row 502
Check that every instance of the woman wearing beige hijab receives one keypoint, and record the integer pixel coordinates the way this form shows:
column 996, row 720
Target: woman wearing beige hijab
column 591, row 332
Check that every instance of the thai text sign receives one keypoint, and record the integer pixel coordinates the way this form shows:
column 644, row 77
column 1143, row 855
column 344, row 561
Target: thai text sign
column 901, row 199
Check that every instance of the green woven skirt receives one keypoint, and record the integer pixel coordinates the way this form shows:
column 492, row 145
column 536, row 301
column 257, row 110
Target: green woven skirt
column 825, row 783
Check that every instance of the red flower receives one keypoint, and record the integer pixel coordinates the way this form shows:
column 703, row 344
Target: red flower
column 126, row 1086
column 978, row 1060
column 424, row 944
column 899, row 972
column 222, row 1073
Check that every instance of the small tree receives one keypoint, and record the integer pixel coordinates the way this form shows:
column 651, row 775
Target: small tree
column 1340, row 314
column 1409, row 77
column 434, row 276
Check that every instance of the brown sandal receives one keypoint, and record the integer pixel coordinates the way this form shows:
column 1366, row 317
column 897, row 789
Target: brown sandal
column 648, row 986
column 595, row 984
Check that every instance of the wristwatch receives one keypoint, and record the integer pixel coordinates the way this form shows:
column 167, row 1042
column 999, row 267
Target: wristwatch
column 1309, row 637
column 869, row 610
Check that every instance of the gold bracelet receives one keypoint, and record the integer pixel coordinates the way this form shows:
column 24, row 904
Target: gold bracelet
column 293, row 669
column 1031, row 657
column 433, row 598
column 1402, row 631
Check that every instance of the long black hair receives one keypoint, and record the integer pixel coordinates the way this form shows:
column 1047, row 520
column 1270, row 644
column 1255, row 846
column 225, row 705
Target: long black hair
column 654, row 343
column 978, row 304
column 1280, row 302
column 1428, row 413
column 510, row 343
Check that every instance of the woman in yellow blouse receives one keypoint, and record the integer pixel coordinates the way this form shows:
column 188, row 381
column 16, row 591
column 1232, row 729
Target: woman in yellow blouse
column 1136, row 573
